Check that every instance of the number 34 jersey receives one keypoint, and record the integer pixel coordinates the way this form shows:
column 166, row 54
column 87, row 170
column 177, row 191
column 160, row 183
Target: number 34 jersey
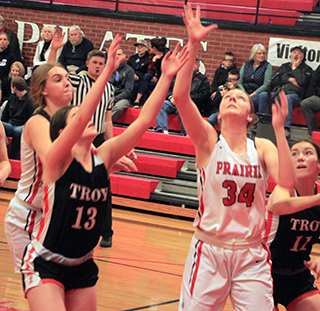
column 232, row 192
column 290, row 237
column 74, row 208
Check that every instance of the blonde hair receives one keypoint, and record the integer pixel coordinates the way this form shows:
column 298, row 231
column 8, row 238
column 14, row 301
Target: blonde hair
column 254, row 50
column 38, row 82
column 19, row 65
column 44, row 28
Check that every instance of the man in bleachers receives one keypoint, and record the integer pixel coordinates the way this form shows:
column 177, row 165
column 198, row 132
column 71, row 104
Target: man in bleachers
column 7, row 57
column 122, row 80
column 16, row 113
column 200, row 92
column 295, row 77
column 311, row 104
column 139, row 62
column 74, row 53
column 13, row 39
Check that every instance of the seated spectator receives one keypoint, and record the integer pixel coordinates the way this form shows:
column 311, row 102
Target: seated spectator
column 13, row 39
column 139, row 62
column 122, row 80
column 74, row 54
column 44, row 46
column 199, row 92
column 219, row 80
column 17, row 111
column 255, row 73
column 231, row 83
column 16, row 70
column 295, row 75
column 7, row 57
column 311, row 104
column 149, row 80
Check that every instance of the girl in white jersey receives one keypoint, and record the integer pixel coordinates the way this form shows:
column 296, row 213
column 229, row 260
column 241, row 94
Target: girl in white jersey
column 58, row 270
column 227, row 256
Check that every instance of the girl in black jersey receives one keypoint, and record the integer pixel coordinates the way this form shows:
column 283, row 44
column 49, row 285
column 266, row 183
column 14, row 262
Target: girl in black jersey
column 58, row 269
column 296, row 230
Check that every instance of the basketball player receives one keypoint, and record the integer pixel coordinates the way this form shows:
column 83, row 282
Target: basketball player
column 58, row 269
column 227, row 256
column 293, row 222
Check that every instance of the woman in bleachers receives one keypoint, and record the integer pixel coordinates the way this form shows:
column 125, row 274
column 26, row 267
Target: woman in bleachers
column 16, row 70
column 255, row 73
column 44, row 46
column 149, row 80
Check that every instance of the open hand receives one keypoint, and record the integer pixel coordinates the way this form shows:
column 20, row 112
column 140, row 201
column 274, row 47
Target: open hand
column 57, row 40
column 113, row 61
column 313, row 266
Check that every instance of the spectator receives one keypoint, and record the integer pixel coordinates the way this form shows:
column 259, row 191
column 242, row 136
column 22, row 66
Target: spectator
column 199, row 92
column 16, row 70
column 122, row 80
column 311, row 104
column 221, row 74
column 7, row 57
column 44, row 46
column 13, row 39
column 295, row 75
column 139, row 62
column 74, row 54
column 18, row 110
column 149, row 80
column 255, row 73
column 231, row 83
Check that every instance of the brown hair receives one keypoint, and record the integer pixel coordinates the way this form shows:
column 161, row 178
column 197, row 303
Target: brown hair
column 38, row 82
column 97, row 53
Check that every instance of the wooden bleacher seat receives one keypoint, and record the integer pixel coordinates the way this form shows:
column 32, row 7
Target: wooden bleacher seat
column 159, row 166
column 163, row 142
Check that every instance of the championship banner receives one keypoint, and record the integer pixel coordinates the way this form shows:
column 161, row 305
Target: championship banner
column 280, row 49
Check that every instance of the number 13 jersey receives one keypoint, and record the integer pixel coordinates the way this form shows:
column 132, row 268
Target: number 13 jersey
column 232, row 192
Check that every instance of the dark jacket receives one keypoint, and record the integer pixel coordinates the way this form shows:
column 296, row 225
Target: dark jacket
column 7, row 58
column 199, row 91
column 14, row 43
column 18, row 110
column 122, row 80
column 302, row 74
column 139, row 64
column 76, row 55
column 314, row 86
column 220, row 77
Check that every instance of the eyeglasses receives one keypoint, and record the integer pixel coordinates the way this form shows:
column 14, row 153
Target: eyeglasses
column 228, row 60
column 232, row 79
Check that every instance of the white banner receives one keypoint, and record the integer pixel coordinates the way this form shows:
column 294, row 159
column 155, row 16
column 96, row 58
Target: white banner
column 279, row 51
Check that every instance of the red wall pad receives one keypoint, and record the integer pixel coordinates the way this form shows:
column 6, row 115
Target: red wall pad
column 299, row 119
column 132, row 186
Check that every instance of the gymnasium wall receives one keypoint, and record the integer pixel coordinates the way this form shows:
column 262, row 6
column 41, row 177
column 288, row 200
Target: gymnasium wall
column 28, row 24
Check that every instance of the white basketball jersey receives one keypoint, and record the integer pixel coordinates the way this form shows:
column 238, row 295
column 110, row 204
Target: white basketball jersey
column 232, row 191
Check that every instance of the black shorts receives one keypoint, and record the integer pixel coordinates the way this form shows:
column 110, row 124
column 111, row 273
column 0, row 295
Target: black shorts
column 71, row 277
column 287, row 288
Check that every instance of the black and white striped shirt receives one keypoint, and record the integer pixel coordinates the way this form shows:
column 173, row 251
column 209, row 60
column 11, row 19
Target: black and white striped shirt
column 82, row 85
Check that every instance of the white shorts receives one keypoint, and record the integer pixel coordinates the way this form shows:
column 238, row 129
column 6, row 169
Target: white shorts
column 213, row 273
column 19, row 223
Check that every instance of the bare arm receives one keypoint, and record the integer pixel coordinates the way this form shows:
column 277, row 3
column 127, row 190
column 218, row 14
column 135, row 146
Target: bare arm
column 5, row 167
column 120, row 145
column 109, row 125
column 201, row 132
column 56, row 44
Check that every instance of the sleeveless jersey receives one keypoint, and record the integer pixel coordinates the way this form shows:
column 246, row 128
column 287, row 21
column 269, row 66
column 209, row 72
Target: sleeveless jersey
column 291, row 237
column 74, row 208
column 30, row 184
column 232, row 191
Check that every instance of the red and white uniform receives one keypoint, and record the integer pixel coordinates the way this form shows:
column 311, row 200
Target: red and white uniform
column 227, row 255
column 24, row 210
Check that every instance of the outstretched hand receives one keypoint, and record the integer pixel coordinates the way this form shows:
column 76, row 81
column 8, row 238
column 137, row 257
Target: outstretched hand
column 172, row 62
column 113, row 61
column 280, row 111
column 196, row 31
column 57, row 40
column 313, row 266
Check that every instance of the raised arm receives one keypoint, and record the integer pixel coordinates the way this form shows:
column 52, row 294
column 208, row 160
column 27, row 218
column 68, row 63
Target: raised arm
column 120, row 145
column 279, row 162
column 59, row 155
column 56, row 44
column 200, row 131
